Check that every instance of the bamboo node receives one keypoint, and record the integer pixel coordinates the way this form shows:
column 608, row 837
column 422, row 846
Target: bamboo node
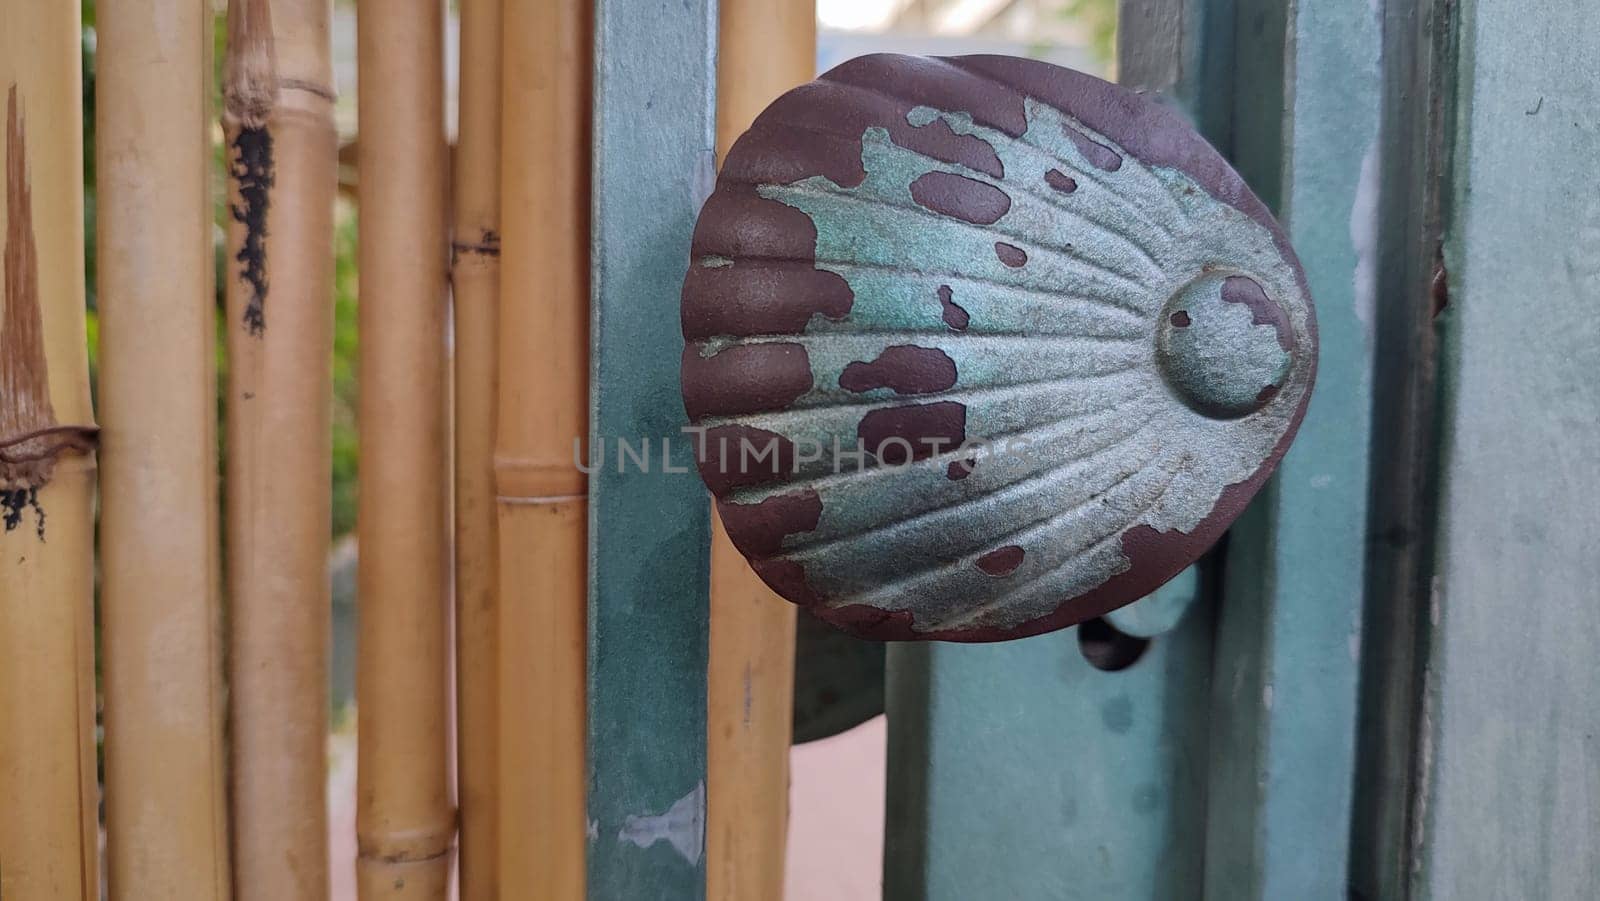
column 27, row 463
column 250, row 76
column 309, row 87
column 534, row 481
column 42, row 446
column 31, row 440
column 487, row 245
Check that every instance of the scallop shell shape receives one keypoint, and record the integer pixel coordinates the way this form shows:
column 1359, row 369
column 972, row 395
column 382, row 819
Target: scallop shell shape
column 982, row 347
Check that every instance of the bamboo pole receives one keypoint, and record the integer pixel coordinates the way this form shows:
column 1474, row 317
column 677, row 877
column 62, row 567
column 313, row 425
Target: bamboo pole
column 405, row 819
column 166, row 802
column 475, row 280
column 282, row 148
column 48, row 828
column 764, row 48
column 543, row 409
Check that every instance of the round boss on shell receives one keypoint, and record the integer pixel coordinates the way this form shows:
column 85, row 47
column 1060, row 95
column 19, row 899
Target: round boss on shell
column 982, row 347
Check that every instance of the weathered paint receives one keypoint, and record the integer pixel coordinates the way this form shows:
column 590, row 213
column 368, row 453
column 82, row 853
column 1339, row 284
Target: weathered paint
column 649, row 530
column 1098, row 777
column 1142, row 327
column 1396, row 227
column 1509, row 800
column 1308, row 98
column 683, row 826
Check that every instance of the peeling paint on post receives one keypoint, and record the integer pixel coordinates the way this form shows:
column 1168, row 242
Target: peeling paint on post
column 682, row 826
column 649, row 530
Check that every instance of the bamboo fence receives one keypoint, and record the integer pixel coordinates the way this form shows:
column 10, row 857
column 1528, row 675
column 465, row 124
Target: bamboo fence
column 207, row 799
column 475, row 285
column 166, row 801
column 278, row 119
column 765, row 48
column 48, row 843
column 543, row 409
column 405, row 815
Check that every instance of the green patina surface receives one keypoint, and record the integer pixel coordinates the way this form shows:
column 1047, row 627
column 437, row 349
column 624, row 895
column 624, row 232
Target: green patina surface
column 1508, row 802
column 1212, row 351
column 649, row 530
column 1061, row 355
column 1308, row 104
column 1025, row 733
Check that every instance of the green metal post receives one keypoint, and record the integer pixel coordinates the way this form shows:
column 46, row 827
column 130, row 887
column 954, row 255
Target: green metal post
column 654, row 140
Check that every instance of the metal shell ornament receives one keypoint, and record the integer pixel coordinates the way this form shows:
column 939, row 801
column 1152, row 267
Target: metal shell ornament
column 982, row 347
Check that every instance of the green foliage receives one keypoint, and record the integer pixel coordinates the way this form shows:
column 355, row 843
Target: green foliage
column 89, row 196
column 1099, row 19
column 345, row 388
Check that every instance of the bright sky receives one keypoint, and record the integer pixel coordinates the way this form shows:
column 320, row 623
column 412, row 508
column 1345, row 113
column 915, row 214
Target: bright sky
column 853, row 15
column 939, row 16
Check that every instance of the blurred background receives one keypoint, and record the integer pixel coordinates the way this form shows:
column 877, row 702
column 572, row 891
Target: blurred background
column 837, row 783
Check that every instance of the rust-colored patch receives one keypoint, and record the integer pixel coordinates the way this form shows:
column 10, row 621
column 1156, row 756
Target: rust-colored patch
column 954, row 314
column 739, row 456
column 760, row 298
column 903, row 369
column 828, row 117
column 865, row 621
column 31, row 440
column 1154, row 133
column 788, row 578
column 1010, row 254
column 960, row 469
column 1240, row 289
column 1002, row 561
column 773, row 287
column 758, row 529
column 1099, row 155
column 1061, row 181
column 1153, row 556
column 960, row 197
column 1180, row 319
column 745, row 378
column 898, row 435
column 969, row 150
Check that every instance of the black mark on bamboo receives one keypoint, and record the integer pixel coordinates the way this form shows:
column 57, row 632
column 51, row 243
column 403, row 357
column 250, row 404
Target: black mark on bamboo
column 252, row 171
column 14, row 502
column 487, row 245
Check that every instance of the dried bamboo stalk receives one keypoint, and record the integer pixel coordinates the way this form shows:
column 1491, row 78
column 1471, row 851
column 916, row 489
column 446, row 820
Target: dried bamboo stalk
column 475, row 282
column 405, row 818
column 282, row 149
column 166, row 801
column 48, row 828
column 764, row 48
column 543, row 409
